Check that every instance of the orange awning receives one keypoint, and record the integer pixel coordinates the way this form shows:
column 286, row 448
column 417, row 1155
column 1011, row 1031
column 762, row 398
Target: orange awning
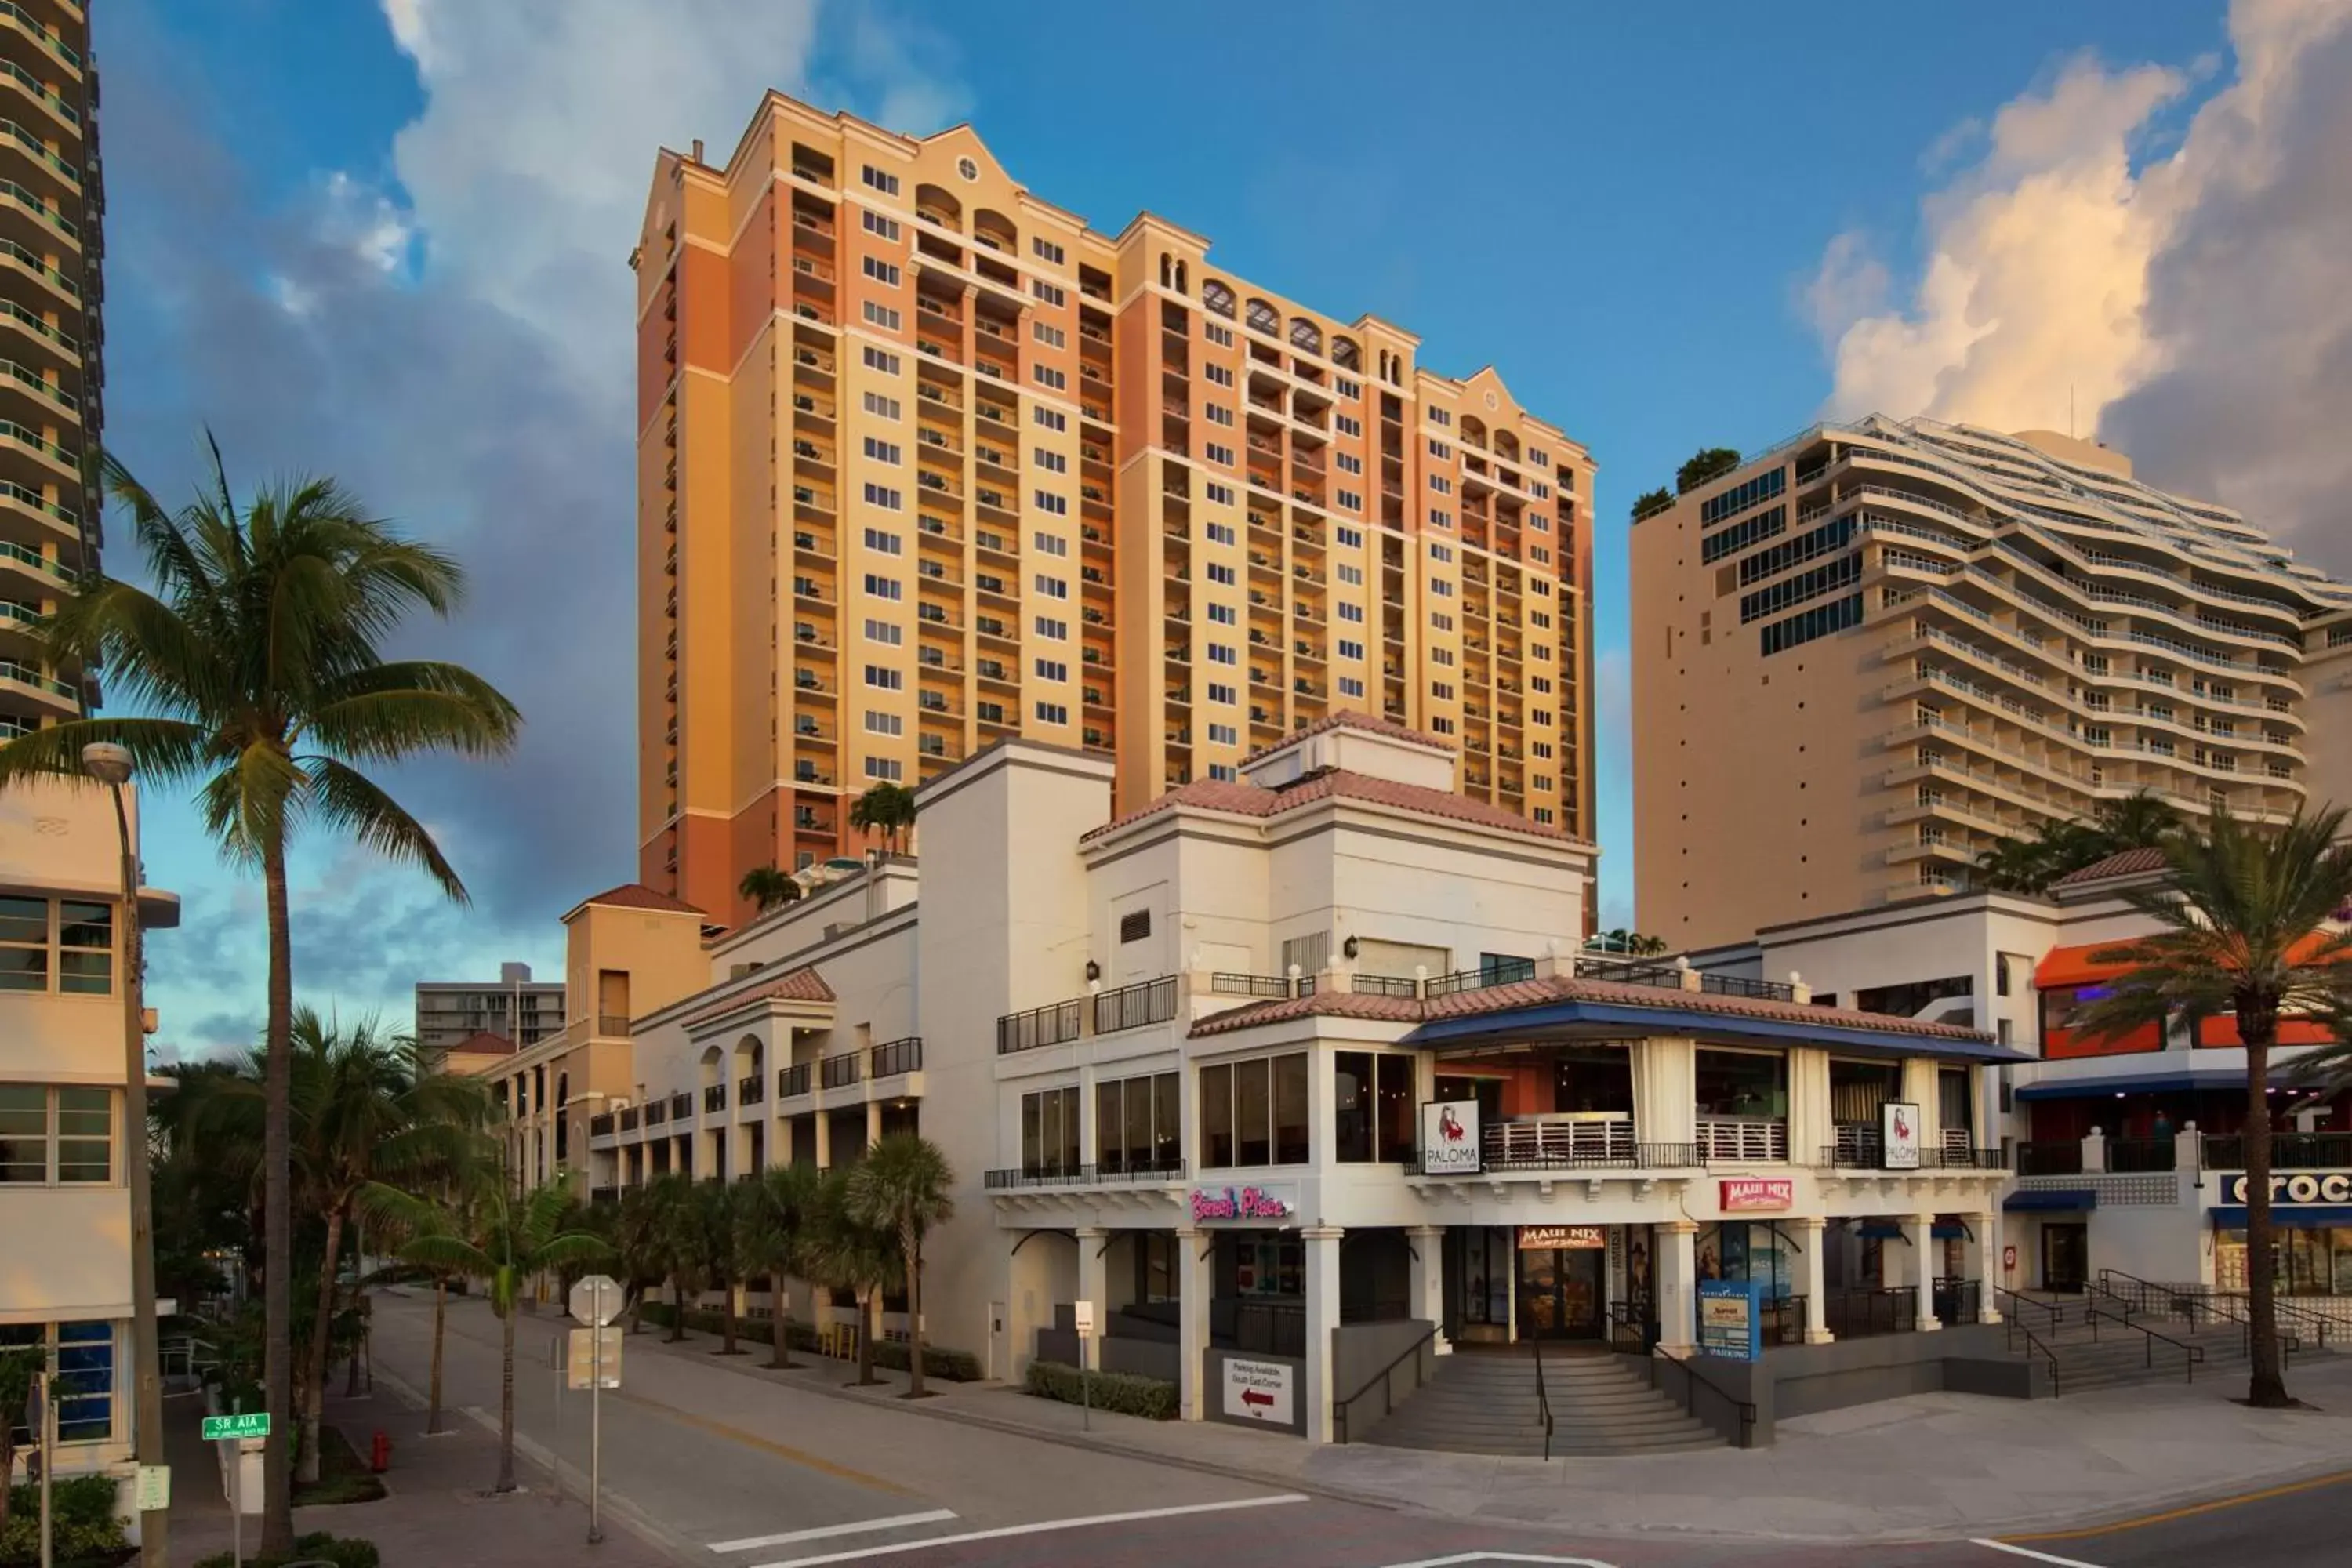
column 2074, row 966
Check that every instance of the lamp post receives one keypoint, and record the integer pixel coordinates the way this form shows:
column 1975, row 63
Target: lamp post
column 110, row 765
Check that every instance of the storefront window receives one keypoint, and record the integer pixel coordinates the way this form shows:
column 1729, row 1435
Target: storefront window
column 1254, row 1112
column 1739, row 1250
column 1049, row 1133
column 1130, row 1115
column 1487, row 1258
column 2314, row 1260
column 1742, row 1083
column 1372, row 1097
column 1270, row 1268
column 1217, row 1116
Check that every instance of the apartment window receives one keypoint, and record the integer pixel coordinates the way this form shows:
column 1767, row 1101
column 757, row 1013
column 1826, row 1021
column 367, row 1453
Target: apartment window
column 1373, row 1104
column 1046, row 250
column 1350, row 649
column 1047, row 292
column 1223, row 495
column 1225, row 615
column 1052, row 713
column 883, row 541
column 1049, row 419
column 1543, row 782
column 887, row 183
column 79, row 954
column 1538, row 457
column 1543, row 815
column 1052, row 629
column 1539, row 716
column 1540, row 586
column 1347, row 425
column 1348, row 462
column 1224, row 575
column 881, row 316
column 1045, row 375
column 881, row 271
column 1540, row 751
column 880, row 723
column 1224, row 735
column 1047, row 502
column 1442, row 586
column 884, row 497
column 1050, row 544
column 55, row 1136
column 1442, row 691
column 1052, row 670
column 1218, row 374
column 1537, row 553
column 1353, row 537
column 1440, row 449
column 1219, row 453
column 876, row 224
column 1439, row 484
column 1347, row 388
column 84, row 1352
column 1441, row 725
column 1137, row 1128
column 1254, row 1112
column 1222, row 693
column 1221, row 336
column 884, row 632
column 882, row 451
column 1349, row 501
column 1049, row 1133
column 1540, row 683
column 1221, row 533
column 1740, row 496
column 1441, row 553
column 1842, row 572
column 1053, row 587
column 882, row 677
column 888, row 363
column 1439, row 620
column 1541, row 491
column 1348, row 611
column 887, row 769
column 1052, row 337
column 1223, row 773
column 1440, row 518
column 1443, row 656
column 1439, row 417
column 1052, row 462
column 1351, row 575
column 1222, row 653
column 881, row 407
column 1819, row 622
column 1350, row 687
column 1218, row 415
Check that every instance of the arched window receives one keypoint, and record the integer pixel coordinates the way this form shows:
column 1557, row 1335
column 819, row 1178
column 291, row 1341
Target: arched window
column 1474, row 431
column 1180, row 287
column 1262, row 318
column 934, row 204
column 1218, row 298
column 995, row 230
column 1166, row 270
column 1345, row 355
column 1506, row 445
column 1306, row 336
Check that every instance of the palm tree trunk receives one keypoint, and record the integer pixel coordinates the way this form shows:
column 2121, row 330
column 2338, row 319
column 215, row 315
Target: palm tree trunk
column 278, row 1213
column 677, row 1309
column 781, row 1350
column 867, row 1318
column 314, row 1402
column 506, row 1407
column 7, row 1471
column 914, row 1316
column 727, row 1319
column 2266, row 1385
column 440, row 1317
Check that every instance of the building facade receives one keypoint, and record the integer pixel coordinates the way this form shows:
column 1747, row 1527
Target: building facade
column 450, row 1013
column 1189, row 1063
column 64, row 1197
column 51, row 379
column 1874, row 651
column 925, row 462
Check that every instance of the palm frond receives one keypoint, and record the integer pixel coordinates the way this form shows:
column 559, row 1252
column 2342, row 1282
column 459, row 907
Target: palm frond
column 348, row 802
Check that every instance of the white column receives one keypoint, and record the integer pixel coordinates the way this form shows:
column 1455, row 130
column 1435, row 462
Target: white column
column 1812, row 1234
column 873, row 1118
column 1094, row 1277
column 1322, row 1318
column 1089, row 1132
column 1811, row 1127
column 1425, row 1289
column 824, row 1136
column 1919, row 1229
column 1193, row 1285
column 1678, row 1264
column 1988, row 1228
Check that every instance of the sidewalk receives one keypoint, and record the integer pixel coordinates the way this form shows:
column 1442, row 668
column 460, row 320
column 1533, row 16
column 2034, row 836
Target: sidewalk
column 1928, row 1466
column 435, row 1497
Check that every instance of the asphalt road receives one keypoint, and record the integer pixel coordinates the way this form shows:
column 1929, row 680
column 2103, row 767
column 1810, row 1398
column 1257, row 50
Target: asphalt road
column 724, row 1471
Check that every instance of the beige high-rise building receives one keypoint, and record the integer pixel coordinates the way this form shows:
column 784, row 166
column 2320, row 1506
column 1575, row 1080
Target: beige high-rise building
column 49, row 374
column 924, row 462
column 1869, row 654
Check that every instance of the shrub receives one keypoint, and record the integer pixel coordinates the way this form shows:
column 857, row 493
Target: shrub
column 344, row 1551
column 84, row 1524
column 938, row 1361
column 1121, row 1392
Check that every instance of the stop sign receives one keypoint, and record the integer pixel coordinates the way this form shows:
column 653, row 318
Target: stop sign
column 596, row 1300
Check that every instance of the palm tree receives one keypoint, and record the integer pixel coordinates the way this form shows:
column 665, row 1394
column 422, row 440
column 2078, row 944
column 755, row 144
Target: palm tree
column 2244, row 929
column 767, row 887
column 2140, row 820
column 887, row 809
column 771, row 1238
column 901, row 1187
column 2013, row 866
column 715, row 1228
column 671, row 1201
column 449, row 1204
column 255, row 671
column 640, row 1247
column 850, row 1255
column 514, row 1238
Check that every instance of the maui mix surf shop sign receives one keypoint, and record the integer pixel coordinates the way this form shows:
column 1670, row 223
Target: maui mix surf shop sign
column 1260, row 1203
column 1757, row 1195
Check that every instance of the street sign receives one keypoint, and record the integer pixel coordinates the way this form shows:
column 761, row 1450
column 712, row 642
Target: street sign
column 155, row 1488
column 221, row 1428
column 1083, row 1313
column 596, row 1300
column 586, row 1363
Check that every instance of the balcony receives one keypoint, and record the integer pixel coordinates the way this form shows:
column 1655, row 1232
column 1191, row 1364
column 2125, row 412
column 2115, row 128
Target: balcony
column 714, row 1097
column 751, row 1091
column 681, row 1106
column 2289, row 1152
column 1735, row 1140
column 896, row 1059
column 841, row 1071
column 1123, row 1173
column 793, row 1081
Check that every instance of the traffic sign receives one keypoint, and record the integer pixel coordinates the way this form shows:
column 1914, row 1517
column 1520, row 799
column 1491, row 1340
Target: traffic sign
column 1082, row 1318
column 251, row 1423
column 597, row 1300
column 585, row 1361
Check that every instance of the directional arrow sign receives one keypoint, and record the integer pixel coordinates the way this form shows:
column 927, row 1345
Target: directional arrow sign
column 1252, row 1396
column 220, row 1428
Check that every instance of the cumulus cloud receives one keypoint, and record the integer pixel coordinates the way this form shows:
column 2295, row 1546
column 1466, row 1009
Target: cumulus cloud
column 2176, row 290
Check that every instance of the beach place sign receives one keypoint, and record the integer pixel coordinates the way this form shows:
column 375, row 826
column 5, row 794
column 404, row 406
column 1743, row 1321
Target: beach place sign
column 1242, row 1202
column 1757, row 1195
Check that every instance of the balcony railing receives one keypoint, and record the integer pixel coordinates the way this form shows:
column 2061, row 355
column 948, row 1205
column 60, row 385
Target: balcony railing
column 893, row 1057
column 1133, row 1007
column 2141, row 1153
column 2289, row 1152
column 629, row 1118
column 793, row 1080
column 751, row 1091
column 841, row 1071
column 1249, row 984
column 601, row 1125
column 656, row 1112
column 681, row 1106
column 1559, row 1142
column 1502, row 971
column 2063, row 1157
column 1731, row 1139
column 714, row 1097
column 1084, row 1175
column 613, row 1025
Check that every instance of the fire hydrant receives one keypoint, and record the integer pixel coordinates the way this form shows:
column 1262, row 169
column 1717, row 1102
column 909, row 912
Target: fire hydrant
column 380, row 1452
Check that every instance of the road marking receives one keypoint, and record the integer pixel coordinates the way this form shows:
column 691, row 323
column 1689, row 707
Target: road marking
column 2036, row 1556
column 1039, row 1529
column 2190, row 1511
column 783, row 1451
column 1469, row 1557
column 752, row 1543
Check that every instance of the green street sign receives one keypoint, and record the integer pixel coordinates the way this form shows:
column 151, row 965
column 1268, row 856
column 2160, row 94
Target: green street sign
column 220, row 1428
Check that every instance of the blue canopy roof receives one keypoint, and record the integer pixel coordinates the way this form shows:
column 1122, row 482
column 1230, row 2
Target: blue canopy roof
column 1709, row 1023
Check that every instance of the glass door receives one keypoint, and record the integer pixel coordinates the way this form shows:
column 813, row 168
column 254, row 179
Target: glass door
column 1562, row 1292
column 2066, row 1256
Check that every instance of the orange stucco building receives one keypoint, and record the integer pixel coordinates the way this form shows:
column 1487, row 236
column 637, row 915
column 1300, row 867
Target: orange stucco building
column 924, row 462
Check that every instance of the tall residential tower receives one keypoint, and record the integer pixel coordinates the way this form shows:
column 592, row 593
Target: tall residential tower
column 50, row 204
column 1870, row 652
column 925, row 462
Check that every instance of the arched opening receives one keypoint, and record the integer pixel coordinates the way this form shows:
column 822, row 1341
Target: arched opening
column 1345, row 355
column 934, row 204
column 1506, row 445
column 1306, row 336
column 1166, row 270
column 1262, row 317
column 1218, row 298
column 750, row 1055
column 1474, row 431
column 1181, row 287
column 995, row 230
column 714, row 1066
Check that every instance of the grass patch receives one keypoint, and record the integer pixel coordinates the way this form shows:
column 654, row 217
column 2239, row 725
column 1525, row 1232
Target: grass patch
column 343, row 1476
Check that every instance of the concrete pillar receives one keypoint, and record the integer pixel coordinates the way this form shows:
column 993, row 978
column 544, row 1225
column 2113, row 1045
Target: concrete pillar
column 1194, row 1283
column 2094, row 1152
column 1425, row 1287
column 1678, row 1264
column 1094, row 1278
column 1919, row 1229
column 1322, row 1319
column 872, row 1121
column 1090, row 1128
column 1322, row 1107
column 1811, row 1235
column 823, row 1137
column 1810, row 1126
column 1988, row 1229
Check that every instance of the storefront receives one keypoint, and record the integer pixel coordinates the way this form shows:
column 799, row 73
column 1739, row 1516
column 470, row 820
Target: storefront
column 1509, row 1284
column 2311, row 1212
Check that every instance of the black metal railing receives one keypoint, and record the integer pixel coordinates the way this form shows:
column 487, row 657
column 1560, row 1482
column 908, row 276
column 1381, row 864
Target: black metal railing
column 613, row 1025
column 629, row 1119
column 793, row 1080
column 1133, row 1007
column 1633, row 1327
column 1957, row 1301
column 1693, row 1381
column 1854, row 1313
column 714, row 1097
column 1869, row 1153
column 1422, row 1356
column 2121, row 1316
column 2289, row 1152
column 1782, row 1319
column 1500, row 972
column 1664, row 976
column 2049, row 1313
column 2201, row 1305
column 893, row 1057
column 1249, row 985
column 2140, row 1154
column 1083, row 1175
column 1384, row 985
column 2062, row 1158
column 751, row 1091
column 1048, row 1026
column 681, row 1106
column 1543, row 1397
column 841, row 1071
column 1738, row 985
column 2034, row 1346
column 601, row 1125
column 656, row 1112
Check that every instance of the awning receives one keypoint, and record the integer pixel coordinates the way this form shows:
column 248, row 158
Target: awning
column 2181, row 1081
column 2074, row 965
column 2053, row 1200
column 2287, row 1216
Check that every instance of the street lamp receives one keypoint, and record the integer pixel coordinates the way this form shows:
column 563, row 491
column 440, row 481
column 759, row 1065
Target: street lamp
column 110, row 765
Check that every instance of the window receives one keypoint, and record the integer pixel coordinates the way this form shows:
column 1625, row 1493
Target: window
column 1442, row 586
column 1440, row 518
column 1221, row 495
column 1049, row 1133
column 1441, row 485
column 1348, row 649
column 1350, row 687
column 876, row 224
column 1046, row 250
column 1224, row 735
column 1347, row 388
column 886, row 497
column 1440, row 449
column 1348, row 462
column 882, row 677
column 85, row 1361
column 1052, row 629
column 81, row 958
column 1373, row 1103
column 884, row 768
column 1347, row 425
column 1052, row 713
column 1540, row 618
column 884, row 632
column 1254, row 1112
column 882, row 272
column 1819, row 622
column 1052, row 462
column 1220, row 532
column 1789, row 553
column 1218, row 415
column 1053, row 587
column 1441, row 553
column 56, row 1136
column 884, row 541
column 1050, row 544
column 1742, row 535
column 1047, row 502
column 1351, row 575
column 1223, row 773
column 880, row 723
column 1048, row 293
column 1740, row 496
column 1218, row 374
column 1222, row 693
column 888, row 363
column 1440, row 691
column 1220, row 453
column 1052, row 670
column 1440, row 418
column 881, row 316
column 1439, row 620
column 1348, row 611
column 1742, row 1083
column 1047, row 376
column 1137, row 1128
column 1441, row 726
column 1846, row 571
column 1049, row 419
column 887, row 183
column 1052, row 337
column 1540, row 683
column 882, row 451
column 1540, row 750
column 1225, row 615
column 1538, row 457
column 1221, row 336
column 1224, row 575
column 1442, row 655
column 1543, row 814
column 1223, row 653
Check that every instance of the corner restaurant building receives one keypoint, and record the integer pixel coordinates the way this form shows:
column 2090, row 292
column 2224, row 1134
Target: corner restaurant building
column 1281, row 1074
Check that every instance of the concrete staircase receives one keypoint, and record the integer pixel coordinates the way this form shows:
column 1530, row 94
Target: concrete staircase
column 1484, row 1402
column 2104, row 1353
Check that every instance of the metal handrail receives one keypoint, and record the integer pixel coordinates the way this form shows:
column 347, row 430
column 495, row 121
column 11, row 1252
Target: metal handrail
column 2057, row 1316
column 1692, row 1378
column 2191, row 1354
column 1543, row 1397
column 2032, row 1343
column 1340, row 1409
column 2188, row 1301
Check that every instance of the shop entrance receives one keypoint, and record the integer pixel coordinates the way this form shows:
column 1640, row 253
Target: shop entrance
column 1562, row 1291
column 2066, row 1256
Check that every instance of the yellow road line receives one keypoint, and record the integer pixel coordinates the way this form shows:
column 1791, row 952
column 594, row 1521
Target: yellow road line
column 780, row 1450
column 2192, row 1511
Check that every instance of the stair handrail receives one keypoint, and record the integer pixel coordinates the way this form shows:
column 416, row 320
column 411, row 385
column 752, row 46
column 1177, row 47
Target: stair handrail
column 1341, row 1408
column 1692, row 1378
column 1543, row 1397
column 2192, row 1354
column 2188, row 1301
column 2057, row 1317
column 2033, row 1344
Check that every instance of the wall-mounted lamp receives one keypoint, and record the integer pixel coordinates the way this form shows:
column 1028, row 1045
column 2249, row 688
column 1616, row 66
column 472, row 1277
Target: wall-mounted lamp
column 1094, row 970
column 1350, row 947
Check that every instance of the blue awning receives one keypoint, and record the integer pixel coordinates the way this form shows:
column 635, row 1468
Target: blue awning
column 1581, row 1016
column 2288, row 1217
column 2052, row 1200
column 2183, row 1080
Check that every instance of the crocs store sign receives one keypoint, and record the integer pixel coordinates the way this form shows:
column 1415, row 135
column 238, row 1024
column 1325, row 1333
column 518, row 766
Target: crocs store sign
column 2296, row 1187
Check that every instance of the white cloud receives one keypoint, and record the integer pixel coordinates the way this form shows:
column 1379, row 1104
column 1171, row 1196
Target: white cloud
column 2188, row 305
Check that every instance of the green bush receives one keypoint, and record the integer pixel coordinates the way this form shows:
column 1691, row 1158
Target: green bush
column 84, row 1524
column 940, row 1361
column 1121, row 1392
column 344, row 1551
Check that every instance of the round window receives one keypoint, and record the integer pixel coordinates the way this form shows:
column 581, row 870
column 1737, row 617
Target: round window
column 969, row 169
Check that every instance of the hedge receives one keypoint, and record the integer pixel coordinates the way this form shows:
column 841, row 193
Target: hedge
column 83, row 1523
column 345, row 1551
column 1123, row 1393
column 938, row 1361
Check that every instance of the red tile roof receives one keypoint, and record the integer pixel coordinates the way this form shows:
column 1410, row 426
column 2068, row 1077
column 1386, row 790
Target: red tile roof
column 803, row 984
column 1243, row 799
column 1349, row 719
column 2123, row 863
column 637, row 896
column 483, row 1042
column 1560, row 988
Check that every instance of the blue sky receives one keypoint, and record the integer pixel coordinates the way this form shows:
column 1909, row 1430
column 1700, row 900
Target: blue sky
column 387, row 242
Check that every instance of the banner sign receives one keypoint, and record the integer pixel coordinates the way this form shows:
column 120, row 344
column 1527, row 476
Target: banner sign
column 1450, row 1143
column 1245, row 1203
column 1731, row 1319
column 1898, row 1124
column 1757, row 1195
column 2295, row 1188
column 1563, row 1238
